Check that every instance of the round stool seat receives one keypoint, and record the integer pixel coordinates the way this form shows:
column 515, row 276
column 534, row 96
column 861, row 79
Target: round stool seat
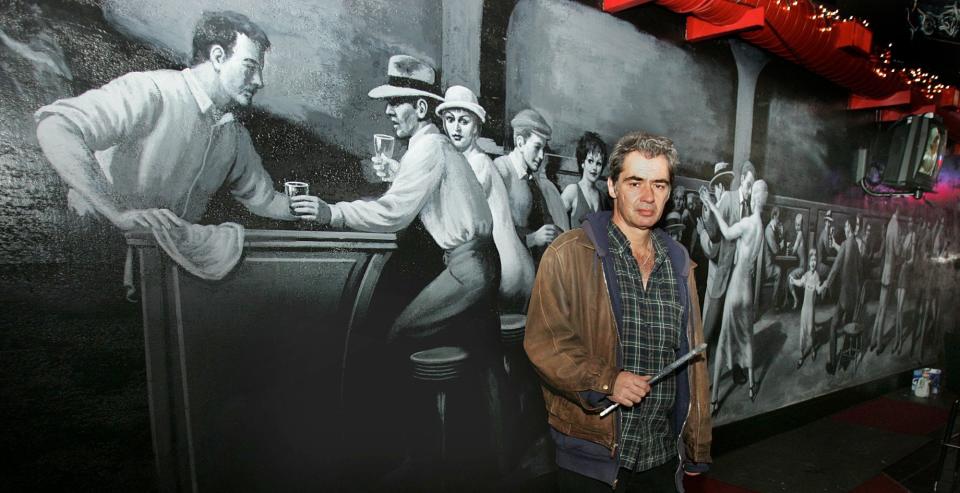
column 441, row 363
column 512, row 327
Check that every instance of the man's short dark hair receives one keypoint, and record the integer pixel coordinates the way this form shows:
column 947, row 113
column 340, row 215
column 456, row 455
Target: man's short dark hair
column 590, row 142
column 221, row 28
column 649, row 146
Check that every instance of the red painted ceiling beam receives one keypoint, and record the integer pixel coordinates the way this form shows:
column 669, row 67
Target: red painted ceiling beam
column 898, row 98
column 619, row 5
column 949, row 99
column 698, row 30
column 852, row 37
column 892, row 115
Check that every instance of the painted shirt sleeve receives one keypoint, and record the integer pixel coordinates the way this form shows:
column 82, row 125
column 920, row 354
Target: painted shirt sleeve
column 421, row 169
column 250, row 184
column 124, row 108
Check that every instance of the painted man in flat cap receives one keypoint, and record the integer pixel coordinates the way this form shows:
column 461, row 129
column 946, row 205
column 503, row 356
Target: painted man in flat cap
column 535, row 202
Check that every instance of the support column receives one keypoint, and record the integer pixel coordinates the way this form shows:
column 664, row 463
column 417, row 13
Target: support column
column 461, row 43
column 750, row 61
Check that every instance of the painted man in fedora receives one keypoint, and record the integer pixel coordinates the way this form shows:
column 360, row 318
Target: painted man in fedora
column 734, row 204
column 535, row 203
column 433, row 181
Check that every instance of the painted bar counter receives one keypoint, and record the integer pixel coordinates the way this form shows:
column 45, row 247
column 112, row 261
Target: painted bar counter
column 245, row 374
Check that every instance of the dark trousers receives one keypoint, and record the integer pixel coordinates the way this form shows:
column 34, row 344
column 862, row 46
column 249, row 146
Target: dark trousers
column 660, row 479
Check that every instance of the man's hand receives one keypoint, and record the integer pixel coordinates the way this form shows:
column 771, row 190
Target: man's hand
column 705, row 196
column 543, row 236
column 385, row 168
column 147, row 218
column 310, row 208
column 629, row 389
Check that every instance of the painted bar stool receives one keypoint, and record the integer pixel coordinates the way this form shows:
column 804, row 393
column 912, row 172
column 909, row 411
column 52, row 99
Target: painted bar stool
column 440, row 367
column 512, row 328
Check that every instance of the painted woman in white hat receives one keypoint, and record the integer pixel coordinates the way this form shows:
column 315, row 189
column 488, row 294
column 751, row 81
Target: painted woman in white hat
column 583, row 197
column 462, row 117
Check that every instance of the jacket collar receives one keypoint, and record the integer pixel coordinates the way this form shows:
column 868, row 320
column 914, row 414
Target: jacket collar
column 595, row 225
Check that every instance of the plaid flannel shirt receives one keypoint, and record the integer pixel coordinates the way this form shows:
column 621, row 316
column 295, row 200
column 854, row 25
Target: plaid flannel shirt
column 649, row 340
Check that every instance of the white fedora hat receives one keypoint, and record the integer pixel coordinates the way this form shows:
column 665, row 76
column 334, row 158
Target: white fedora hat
column 463, row 98
column 408, row 77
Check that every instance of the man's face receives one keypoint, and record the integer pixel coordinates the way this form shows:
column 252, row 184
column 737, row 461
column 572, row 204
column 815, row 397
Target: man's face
column 746, row 184
column 462, row 127
column 847, row 229
column 404, row 116
column 717, row 191
column 691, row 202
column 531, row 150
column 798, row 222
column 678, row 199
column 641, row 191
column 241, row 75
column 592, row 166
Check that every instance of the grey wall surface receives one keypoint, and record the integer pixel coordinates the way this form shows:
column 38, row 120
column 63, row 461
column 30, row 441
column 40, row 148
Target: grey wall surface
column 586, row 70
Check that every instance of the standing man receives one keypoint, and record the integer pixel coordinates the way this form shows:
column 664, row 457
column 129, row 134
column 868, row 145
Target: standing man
column 722, row 177
column 535, row 203
column 826, row 244
column 613, row 304
column 149, row 149
column 847, row 266
column 434, row 181
column 773, row 244
column 733, row 205
column 680, row 206
column 690, row 216
column 798, row 249
column 889, row 253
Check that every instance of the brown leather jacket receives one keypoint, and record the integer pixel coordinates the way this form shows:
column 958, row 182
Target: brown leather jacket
column 572, row 341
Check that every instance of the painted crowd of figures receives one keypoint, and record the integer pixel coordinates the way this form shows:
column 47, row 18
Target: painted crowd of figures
column 846, row 268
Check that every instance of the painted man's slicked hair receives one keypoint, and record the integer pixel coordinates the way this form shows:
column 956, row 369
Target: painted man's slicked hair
column 649, row 146
column 221, row 28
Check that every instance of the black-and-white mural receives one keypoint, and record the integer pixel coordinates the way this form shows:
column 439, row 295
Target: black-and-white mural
column 327, row 218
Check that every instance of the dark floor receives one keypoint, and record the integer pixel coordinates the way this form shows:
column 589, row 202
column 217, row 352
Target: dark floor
column 888, row 443
column 73, row 404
